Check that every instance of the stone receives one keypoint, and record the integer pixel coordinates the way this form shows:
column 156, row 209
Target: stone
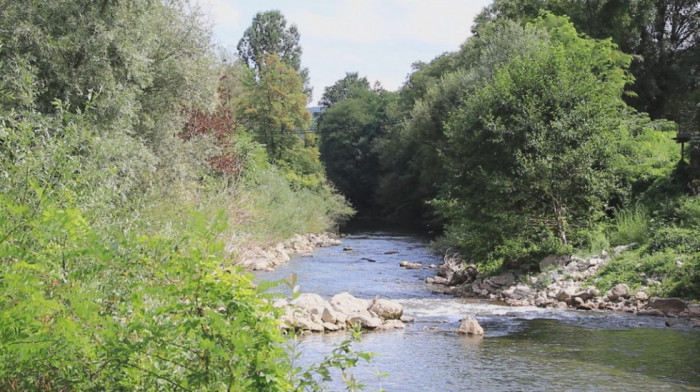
column 642, row 296
column 347, row 303
column 328, row 316
column 506, row 279
column 392, row 324
column 668, row 306
column 463, row 275
column 521, row 291
column 694, row 311
column 553, row 260
column 309, row 302
column 391, row 252
column 649, row 312
column 432, row 266
column 387, row 309
column 348, row 248
column 410, row 265
column 307, row 325
column 470, row 326
column 330, row 327
column 584, row 295
column 437, row 280
column 407, row 319
column 365, row 320
column 565, row 293
column 617, row 292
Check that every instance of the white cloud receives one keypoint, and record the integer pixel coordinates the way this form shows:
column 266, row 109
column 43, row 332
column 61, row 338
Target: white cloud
column 351, row 21
column 441, row 22
column 221, row 12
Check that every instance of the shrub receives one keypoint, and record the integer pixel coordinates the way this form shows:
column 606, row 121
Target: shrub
column 679, row 239
column 631, row 226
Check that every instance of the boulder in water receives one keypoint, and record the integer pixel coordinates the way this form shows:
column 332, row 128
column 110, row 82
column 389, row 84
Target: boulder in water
column 469, row 326
column 347, row 303
column 387, row 309
column 410, row 265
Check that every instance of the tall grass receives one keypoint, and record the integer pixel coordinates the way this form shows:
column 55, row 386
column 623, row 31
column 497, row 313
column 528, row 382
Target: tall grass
column 275, row 210
column 631, row 225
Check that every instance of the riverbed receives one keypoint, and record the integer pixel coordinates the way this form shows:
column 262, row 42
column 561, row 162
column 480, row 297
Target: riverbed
column 523, row 349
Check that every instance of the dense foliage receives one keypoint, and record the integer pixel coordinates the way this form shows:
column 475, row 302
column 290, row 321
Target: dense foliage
column 128, row 160
column 349, row 132
column 543, row 134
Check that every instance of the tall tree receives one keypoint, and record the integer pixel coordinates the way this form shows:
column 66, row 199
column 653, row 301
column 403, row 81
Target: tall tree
column 528, row 151
column 274, row 107
column 343, row 89
column 350, row 131
column 662, row 34
column 268, row 34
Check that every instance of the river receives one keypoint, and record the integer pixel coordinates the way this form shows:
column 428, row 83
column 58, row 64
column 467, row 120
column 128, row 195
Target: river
column 524, row 348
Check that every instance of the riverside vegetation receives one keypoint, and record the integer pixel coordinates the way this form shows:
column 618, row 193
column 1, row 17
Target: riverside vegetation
column 549, row 133
column 131, row 156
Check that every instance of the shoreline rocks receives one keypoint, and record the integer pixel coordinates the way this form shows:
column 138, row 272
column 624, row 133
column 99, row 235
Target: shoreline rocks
column 310, row 312
column 258, row 258
column 560, row 284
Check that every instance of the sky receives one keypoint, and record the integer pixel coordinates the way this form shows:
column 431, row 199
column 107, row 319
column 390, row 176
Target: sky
column 379, row 39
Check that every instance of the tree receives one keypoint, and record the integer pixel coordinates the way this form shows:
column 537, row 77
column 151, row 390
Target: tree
column 662, row 34
column 273, row 108
column 412, row 163
column 350, row 130
column 343, row 89
column 527, row 153
column 269, row 34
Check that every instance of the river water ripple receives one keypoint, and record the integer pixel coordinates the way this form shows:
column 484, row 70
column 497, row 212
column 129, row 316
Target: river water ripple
column 524, row 348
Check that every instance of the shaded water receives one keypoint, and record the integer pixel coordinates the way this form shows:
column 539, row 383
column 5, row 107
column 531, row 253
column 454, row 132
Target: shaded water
column 524, row 348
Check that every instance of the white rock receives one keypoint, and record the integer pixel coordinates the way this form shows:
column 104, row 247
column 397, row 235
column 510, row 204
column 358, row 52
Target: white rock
column 309, row 302
column 328, row 315
column 393, row 324
column 387, row 309
column 469, row 326
column 330, row 327
column 365, row 320
column 347, row 303
column 410, row 265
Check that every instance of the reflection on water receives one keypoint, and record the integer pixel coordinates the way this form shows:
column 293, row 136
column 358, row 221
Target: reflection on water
column 524, row 349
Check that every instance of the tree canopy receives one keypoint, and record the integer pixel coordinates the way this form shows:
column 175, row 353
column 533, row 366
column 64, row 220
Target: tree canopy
column 268, row 34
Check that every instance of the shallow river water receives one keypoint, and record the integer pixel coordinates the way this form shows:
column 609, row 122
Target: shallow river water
column 524, row 348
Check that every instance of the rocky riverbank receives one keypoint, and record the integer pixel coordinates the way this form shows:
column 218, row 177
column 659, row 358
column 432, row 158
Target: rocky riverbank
column 561, row 283
column 260, row 258
column 310, row 312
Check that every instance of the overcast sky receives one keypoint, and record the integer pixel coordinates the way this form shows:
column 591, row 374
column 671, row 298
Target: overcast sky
column 380, row 39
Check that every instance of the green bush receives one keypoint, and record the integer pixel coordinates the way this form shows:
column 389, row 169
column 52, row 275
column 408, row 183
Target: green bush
column 631, row 226
column 666, row 273
column 679, row 239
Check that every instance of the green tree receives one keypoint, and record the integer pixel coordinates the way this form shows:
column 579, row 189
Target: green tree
column 268, row 34
column 273, row 109
column 343, row 89
column 528, row 151
column 350, row 131
column 411, row 153
column 663, row 35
